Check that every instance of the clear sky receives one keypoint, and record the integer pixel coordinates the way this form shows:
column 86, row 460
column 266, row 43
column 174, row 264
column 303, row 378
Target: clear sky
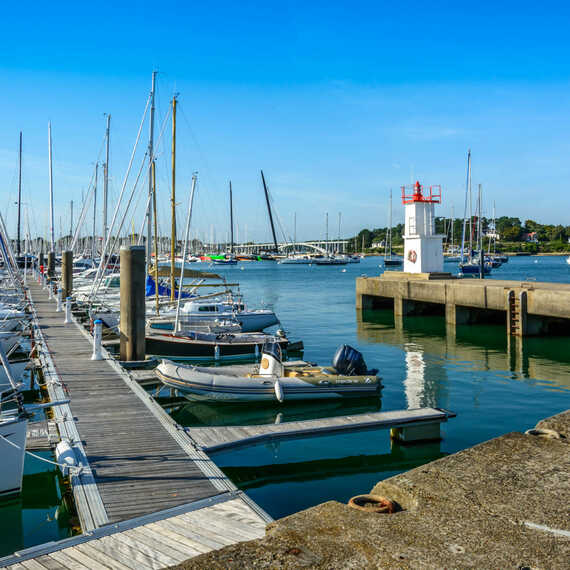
column 337, row 101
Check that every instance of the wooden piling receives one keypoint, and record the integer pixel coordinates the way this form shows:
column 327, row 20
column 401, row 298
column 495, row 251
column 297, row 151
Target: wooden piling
column 67, row 273
column 51, row 264
column 132, row 323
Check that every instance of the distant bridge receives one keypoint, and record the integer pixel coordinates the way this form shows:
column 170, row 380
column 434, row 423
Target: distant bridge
column 324, row 247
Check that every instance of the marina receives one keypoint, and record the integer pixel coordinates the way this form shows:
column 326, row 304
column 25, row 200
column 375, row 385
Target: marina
column 296, row 296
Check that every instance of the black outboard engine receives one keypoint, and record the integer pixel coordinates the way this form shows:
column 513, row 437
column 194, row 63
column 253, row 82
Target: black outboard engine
column 347, row 361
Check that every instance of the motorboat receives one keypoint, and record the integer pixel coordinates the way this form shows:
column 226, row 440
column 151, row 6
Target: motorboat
column 296, row 260
column 329, row 260
column 272, row 379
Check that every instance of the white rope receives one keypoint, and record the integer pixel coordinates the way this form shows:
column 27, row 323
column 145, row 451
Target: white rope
column 63, row 466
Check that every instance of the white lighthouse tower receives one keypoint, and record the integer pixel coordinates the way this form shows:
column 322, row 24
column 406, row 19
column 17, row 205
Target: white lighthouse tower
column 423, row 248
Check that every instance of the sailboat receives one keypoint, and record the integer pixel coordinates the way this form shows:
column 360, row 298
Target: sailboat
column 475, row 265
column 390, row 261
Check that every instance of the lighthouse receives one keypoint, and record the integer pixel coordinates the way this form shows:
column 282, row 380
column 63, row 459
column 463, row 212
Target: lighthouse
column 423, row 248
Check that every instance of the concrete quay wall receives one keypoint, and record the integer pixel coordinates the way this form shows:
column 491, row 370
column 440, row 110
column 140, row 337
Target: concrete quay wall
column 499, row 504
column 466, row 300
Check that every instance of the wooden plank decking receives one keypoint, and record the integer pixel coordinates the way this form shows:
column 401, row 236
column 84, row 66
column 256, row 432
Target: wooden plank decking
column 137, row 466
column 223, row 437
column 150, row 542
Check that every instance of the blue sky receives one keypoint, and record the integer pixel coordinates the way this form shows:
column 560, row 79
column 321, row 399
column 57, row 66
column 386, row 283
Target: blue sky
column 337, row 101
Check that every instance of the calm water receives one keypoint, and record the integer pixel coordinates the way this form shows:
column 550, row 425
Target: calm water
column 494, row 387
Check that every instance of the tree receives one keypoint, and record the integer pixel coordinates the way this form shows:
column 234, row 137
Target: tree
column 365, row 235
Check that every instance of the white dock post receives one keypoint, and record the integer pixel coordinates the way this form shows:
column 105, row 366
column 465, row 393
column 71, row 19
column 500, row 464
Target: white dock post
column 50, row 290
column 59, row 300
column 67, row 311
column 97, row 335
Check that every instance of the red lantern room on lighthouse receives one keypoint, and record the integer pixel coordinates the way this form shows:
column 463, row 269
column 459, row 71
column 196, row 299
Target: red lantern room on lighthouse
column 423, row 248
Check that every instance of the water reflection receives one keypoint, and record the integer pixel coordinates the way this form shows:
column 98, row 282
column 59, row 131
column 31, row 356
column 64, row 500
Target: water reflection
column 211, row 414
column 400, row 458
column 480, row 347
column 37, row 515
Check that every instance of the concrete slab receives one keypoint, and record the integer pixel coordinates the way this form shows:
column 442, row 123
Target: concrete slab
column 500, row 504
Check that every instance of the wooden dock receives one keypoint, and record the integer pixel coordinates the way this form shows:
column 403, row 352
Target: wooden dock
column 154, row 541
column 135, row 459
column 224, row 437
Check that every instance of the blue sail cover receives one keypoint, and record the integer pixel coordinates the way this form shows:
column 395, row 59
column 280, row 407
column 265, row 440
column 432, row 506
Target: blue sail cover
column 150, row 289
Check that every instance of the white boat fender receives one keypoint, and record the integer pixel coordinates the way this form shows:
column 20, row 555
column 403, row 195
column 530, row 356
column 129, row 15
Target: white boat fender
column 216, row 352
column 278, row 391
column 65, row 456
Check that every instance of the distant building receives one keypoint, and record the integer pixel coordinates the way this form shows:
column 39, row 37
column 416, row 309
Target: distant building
column 530, row 237
column 378, row 244
column 492, row 234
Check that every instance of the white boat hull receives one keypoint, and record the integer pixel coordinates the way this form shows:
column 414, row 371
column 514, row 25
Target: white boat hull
column 13, row 431
column 212, row 384
column 17, row 369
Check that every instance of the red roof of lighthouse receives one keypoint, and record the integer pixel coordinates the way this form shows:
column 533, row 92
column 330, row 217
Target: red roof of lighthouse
column 416, row 193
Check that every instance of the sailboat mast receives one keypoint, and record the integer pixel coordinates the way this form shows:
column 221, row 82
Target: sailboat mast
column 389, row 240
column 452, row 228
column 231, row 220
column 327, row 232
column 295, row 231
column 338, row 243
column 18, row 249
column 471, row 228
column 156, row 292
column 150, row 161
column 465, row 206
column 106, row 180
column 172, row 206
column 269, row 210
column 93, row 252
column 51, row 227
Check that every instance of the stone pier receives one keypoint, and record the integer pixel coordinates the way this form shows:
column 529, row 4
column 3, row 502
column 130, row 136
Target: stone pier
column 524, row 307
column 500, row 504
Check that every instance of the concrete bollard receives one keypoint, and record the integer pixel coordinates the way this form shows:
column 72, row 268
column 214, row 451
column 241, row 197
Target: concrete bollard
column 97, row 337
column 132, row 319
column 67, row 311
column 59, row 300
column 67, row 272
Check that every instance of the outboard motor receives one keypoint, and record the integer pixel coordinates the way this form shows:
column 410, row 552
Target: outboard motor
column 347, row 361
column 271, row 364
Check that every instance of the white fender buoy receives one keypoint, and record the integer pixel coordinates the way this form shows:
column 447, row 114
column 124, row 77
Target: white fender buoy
column 256, row 351
column 65, row 456
column 216, row 352
column 279, row 391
